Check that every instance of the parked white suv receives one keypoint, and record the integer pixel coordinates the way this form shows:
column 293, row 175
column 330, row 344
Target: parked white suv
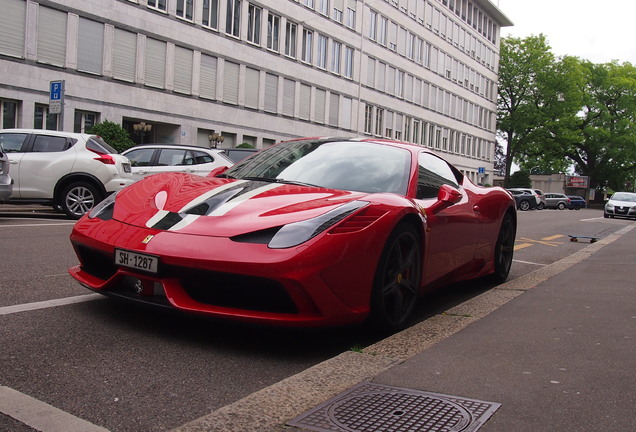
column 71, row 171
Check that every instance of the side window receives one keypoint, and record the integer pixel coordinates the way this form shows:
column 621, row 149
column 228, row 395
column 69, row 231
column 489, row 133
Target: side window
column 48, row 144
column 140, row 157
column 201, row 158
column 433, row 173
column 12, row 142
column 171, row 157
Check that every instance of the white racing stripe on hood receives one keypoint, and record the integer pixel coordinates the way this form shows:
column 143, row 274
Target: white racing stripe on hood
column 209, row 194
column 156, row 218
column 224, row 208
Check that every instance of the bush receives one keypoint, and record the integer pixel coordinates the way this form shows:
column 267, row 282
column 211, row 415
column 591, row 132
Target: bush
column 116, row 136
column 520, row 179
column 245, row 145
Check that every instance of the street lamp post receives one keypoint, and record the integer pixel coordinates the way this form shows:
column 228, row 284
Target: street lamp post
column 141, row 129
column 215, row 139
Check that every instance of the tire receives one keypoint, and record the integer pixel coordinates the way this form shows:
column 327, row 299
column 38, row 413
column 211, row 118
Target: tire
column 78, row 198
column 605, row 215
column 504, row 250
column 540, row 206
column 524, row 205
column 397, row 279
column 561, row 206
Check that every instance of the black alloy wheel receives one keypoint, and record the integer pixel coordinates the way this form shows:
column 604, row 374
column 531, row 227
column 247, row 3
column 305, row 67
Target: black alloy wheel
column 524, row 205
column 397, row 279
column 504, row 250
column 78, row 199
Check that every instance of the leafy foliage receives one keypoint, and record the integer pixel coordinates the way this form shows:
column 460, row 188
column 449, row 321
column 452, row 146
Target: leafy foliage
column 116, row 136
column 519, row 179
column 558, row 113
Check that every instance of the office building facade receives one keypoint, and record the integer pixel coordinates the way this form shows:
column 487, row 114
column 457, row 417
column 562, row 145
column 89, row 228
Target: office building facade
column 258, row 72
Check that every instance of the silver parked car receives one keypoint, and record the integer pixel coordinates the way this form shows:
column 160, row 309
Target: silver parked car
column 6, row 183
column 621, row 204
column 556, row 201
column 158, row 158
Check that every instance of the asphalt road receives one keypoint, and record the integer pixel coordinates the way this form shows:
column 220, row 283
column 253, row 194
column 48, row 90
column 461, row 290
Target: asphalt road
column 125, row 368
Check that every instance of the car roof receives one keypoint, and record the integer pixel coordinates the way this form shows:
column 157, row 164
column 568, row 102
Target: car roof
column 174, row 146
column 85, row 136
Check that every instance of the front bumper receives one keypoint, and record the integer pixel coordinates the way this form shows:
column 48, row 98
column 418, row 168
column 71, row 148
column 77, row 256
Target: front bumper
column 323, row 282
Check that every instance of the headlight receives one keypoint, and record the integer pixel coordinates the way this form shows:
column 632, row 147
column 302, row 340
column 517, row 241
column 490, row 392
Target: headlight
column 104, row 209
column 297, row 233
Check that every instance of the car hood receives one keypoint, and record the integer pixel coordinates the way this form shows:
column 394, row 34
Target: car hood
column 221, row 207
column 618, row 203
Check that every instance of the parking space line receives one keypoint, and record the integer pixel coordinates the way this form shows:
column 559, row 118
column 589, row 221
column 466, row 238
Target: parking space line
column 554, row 237
column 40, row 415
column 522, row 246
column 6, row 310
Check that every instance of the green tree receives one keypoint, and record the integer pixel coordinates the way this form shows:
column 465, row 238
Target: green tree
column 523, row 66
column 604, row 137
column 116, row 136
column 520, row 178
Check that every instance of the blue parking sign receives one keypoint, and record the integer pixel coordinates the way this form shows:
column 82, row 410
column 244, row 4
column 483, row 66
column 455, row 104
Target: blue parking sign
column 56, row 97
column 56, row 91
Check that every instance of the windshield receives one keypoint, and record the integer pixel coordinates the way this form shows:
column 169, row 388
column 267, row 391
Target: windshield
column 345, row 165
column 624, row 196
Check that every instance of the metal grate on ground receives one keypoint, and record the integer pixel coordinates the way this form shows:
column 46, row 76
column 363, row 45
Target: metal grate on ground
column 369, row 407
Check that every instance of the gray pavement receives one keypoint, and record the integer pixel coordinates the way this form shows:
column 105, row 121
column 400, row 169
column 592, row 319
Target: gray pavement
column 556, row 348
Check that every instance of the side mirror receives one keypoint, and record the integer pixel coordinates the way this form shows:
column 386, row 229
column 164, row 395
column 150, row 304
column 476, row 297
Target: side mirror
column 446, row 197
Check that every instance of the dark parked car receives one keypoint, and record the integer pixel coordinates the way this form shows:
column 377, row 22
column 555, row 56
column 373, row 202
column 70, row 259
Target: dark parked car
column 577, row 202
column 525, row 200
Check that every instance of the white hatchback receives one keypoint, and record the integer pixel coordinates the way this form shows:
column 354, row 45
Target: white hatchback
column 158, row 158
column 70, row 171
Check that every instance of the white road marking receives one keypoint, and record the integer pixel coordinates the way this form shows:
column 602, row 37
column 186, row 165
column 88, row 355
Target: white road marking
column 528, row 262
column 6, row 310
column 40, row 415
column 37, row 225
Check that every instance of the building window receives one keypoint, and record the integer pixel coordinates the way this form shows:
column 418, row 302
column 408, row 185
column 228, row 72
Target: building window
column 210, row 14
column 233, row 18
column 184, row 9
column 290, row 39
column 90, row 43
column 384, row 28
column 351, row 18
column 271, row 93
column 51, row 36
column 336, row 48
column 321, row 61
column 84, row 121
column 373, row 25
column 368, row 118
column 254, row 24
column 124, row 55
column 273, row 31
column 308, row 43
column 43, row 120
column 379, row 121
column 309, row 3
column 9, row 114
column 337, row 15
column 348, row 62
column 323, row 7
column 160, row 5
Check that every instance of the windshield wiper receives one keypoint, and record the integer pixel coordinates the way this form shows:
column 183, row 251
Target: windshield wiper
column 280, row 180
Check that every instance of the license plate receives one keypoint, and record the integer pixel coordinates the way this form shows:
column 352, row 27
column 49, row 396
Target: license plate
column 137, row 260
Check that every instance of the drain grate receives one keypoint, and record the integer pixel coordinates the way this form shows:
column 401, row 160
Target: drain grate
column 374, row 407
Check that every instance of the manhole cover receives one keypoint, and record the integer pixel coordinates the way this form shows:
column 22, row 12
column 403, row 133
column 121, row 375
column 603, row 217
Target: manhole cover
column 374, row 407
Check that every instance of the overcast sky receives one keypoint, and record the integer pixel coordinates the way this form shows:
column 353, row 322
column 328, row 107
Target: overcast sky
column 599, row 31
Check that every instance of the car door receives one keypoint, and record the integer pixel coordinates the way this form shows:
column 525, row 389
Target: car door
column 14, row 145
column 140, row 161
column 454, row 230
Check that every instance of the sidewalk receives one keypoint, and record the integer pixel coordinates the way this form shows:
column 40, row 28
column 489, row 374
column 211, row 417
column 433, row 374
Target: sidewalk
column 555, row 348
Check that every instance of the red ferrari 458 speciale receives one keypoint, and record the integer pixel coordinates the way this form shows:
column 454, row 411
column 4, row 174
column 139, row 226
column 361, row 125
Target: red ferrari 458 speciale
column 308, row 232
